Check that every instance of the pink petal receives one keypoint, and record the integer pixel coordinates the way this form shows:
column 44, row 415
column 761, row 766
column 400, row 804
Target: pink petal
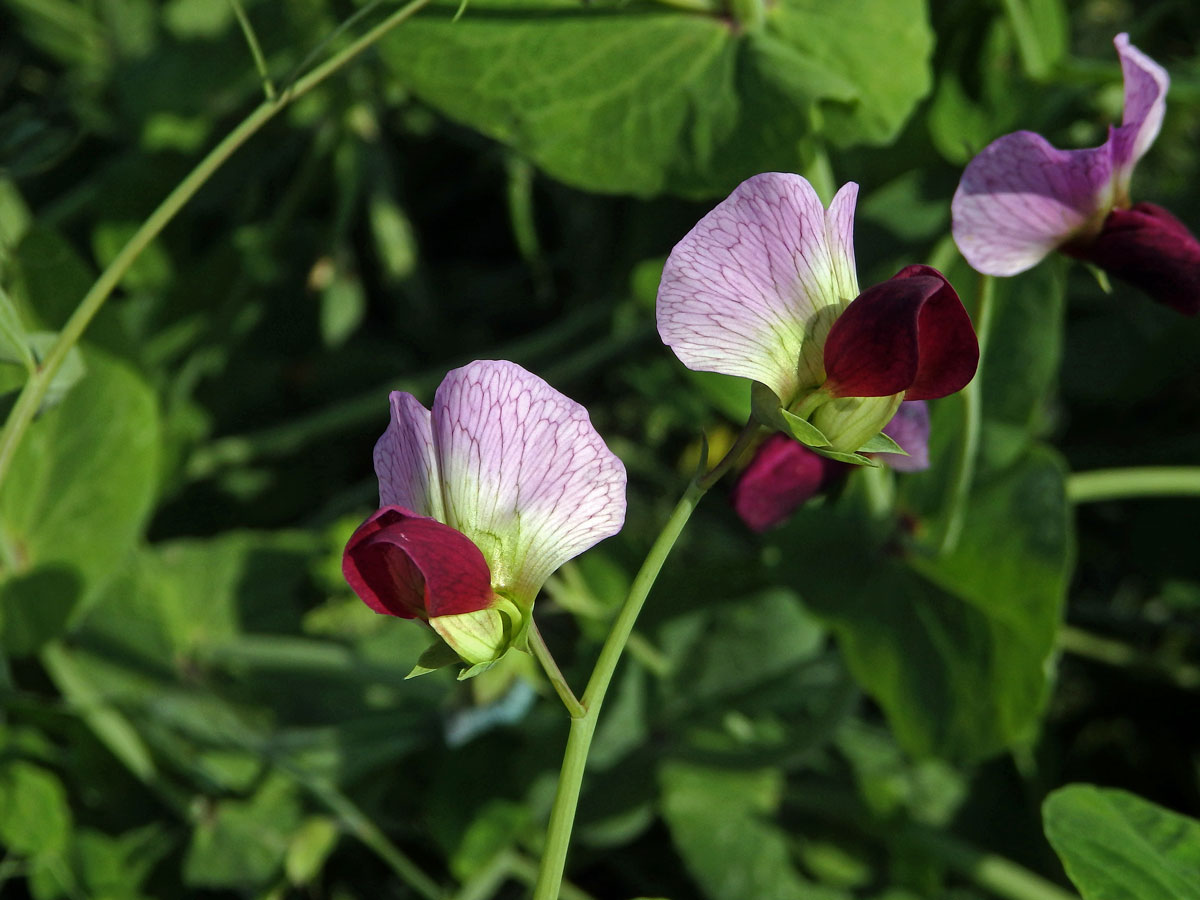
column 1151, row 249
column 910, row 429
column 1020, row 198
column 909, row 333
column 1146, row 84
column 780, row 479
column 741, row 292
column 524, row 473
column 411, row 566
column 404, row 461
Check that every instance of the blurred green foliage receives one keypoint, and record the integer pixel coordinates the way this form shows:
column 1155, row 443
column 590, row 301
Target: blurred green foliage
column 194, row 704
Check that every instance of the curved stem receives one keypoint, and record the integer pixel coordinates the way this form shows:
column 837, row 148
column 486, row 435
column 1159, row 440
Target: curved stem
column 537, row 646
column 972, row 394
column 579, row 740
column 1118, row 484
column 34, row 391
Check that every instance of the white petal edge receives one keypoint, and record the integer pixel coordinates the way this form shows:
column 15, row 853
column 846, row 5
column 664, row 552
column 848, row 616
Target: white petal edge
column 404, row 459
column 739, row 288
column 524, row 473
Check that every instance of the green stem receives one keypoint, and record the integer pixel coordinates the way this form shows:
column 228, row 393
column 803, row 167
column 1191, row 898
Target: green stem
column 1121, row 655
column 35, row 388
column 1119, row 484
column 579, row 740
column 541, row 652
column 993, row 873
column 972, row 394
column 260, row 62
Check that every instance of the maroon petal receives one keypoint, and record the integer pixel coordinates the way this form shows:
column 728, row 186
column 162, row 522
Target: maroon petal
column 1151, row 249
column 411, row 566
column 782, row 476
column 910, row 334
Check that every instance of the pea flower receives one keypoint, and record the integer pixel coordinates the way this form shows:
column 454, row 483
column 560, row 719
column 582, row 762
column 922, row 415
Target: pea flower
column 480, row 501
column 783, row 475
column 764, row 287
column 1022, row 198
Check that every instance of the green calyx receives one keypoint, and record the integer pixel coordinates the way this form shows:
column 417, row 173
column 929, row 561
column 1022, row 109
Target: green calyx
column 842, row 428
column 478, row 638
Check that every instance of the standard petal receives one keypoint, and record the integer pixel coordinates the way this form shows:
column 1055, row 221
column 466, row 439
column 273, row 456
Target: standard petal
column 743, row 289
column 1151, row 249
column 1146, row 84
column 910, row 429
column 404, row 461
column 524, row 473
column 411, row 566
column 782, row 476
column 909, row 333
column 1021, row 198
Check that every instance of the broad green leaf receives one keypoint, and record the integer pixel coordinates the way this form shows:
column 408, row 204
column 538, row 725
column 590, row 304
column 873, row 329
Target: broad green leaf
column 310, row 846
column 720, row 823
column 244, row 843
column 1117, row 846
column 645, row 100
column 77, row 498
column 954, row 649
column 34, row 816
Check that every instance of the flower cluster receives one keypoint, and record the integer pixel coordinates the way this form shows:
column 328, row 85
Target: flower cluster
column 480, row 501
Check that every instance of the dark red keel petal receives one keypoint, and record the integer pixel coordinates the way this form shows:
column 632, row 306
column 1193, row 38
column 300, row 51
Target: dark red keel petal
column 782, row 476
column 411, row 566
column 1152, row 250
column 909, row 333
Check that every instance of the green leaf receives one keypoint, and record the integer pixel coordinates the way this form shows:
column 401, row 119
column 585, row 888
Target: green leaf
column 1117, row 846
column 243, row 843
column 310, row 846
column 14, row 341
column 68, row 374
column 77, row 496
column 955, row 649
column 34, row 816
column 647, row 100
column 720, row 823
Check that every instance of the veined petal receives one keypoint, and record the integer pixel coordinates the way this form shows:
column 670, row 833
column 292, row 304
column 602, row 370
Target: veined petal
column 524, row 473
column 910, row 429
column 909, row 334
column 404, row 461
column 1146, row 84
column 1021, row 198
column 783, row 475
column 411, row 566
column 765, row 270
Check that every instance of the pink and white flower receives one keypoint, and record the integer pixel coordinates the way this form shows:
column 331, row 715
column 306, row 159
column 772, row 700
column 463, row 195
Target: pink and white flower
column 1022, row 198
column 480, row 501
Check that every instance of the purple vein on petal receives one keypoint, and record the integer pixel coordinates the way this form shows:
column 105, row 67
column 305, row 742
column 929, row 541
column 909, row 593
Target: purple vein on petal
column 524, row 473
column 739, row 288
column 404, row 460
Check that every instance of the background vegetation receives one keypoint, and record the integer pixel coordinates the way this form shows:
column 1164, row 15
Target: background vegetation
column 194, row 704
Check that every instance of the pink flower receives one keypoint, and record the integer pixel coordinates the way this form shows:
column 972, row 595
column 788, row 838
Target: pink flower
column 480, row 502
column 764, row 287
column 1021, row 198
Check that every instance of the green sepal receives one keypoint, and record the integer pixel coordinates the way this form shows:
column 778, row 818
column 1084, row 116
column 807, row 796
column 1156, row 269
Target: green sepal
column 478, row 668
column 1100, row 275
column 765, row 406
column 881, row 443
column 803, row 430
column 438, row 656
column 854, row 459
